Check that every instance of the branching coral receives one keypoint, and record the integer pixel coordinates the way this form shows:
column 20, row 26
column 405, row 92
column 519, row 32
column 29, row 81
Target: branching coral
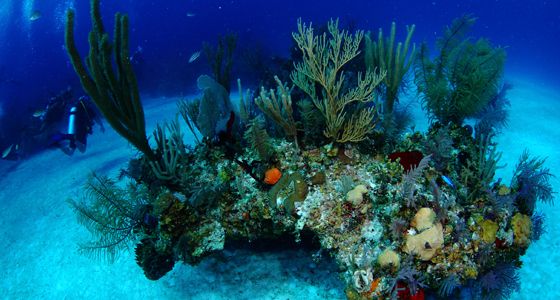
column 479, row 172
column 111, row 214
column 259, row 140
column 278, row 107
column 170, row 148
column 500, row 282
column 396, row 60
column 409, row 181
column 114, row 92
column 494, row 117
column 531, row 180
column 323, row 60
column 463, row 78
column 221, row 58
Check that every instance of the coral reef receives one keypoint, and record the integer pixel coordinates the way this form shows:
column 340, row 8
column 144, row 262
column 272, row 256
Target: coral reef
column 421, row 221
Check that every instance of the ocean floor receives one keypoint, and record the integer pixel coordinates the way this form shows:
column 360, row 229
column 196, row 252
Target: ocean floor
column 39, row 232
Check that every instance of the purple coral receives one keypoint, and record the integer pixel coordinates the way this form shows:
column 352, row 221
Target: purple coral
column 500, row 282
column 398, row 227
column 409, row 276
column 449, row 285
column 531, row 180
column 538, row 229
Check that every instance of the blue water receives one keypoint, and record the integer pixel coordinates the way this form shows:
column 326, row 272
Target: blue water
column 34, row 65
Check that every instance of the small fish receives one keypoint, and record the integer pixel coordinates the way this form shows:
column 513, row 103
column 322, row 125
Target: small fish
column 194, row 57
column 7, row 151
column 190, row 15
column 35, row 15
column 447, row 181
column 39, row 113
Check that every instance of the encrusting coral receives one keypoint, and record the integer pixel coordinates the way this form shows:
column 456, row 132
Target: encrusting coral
column 405, row 224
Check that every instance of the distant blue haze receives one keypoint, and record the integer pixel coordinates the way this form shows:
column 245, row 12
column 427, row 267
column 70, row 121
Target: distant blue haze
column 34, row 65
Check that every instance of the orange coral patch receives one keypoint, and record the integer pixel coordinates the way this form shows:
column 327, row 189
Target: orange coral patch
column 272, row 175
column 373, row 287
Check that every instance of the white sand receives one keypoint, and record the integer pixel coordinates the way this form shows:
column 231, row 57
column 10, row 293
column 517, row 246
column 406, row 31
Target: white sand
column 38, row 231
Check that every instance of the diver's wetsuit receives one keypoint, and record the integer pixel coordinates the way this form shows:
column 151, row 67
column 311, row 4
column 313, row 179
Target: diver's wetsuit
column 80, row 124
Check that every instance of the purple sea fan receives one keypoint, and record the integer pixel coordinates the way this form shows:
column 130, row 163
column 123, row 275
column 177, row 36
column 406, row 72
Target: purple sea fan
column 449, row 285
column 398, row 226
column 531, row 180
column 408, row 275
column 410, row 178
column 538, row 229
column 500, row 282
column 494, row 117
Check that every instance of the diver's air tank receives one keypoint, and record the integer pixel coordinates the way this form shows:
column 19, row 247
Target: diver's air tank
column 72, row 120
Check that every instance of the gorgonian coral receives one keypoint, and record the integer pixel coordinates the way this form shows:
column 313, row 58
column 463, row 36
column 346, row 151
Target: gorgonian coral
column 531, row 180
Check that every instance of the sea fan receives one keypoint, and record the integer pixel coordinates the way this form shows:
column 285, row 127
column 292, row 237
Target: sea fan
column 410, row 179
column 259, row 139
column 408, row 275
column 538, row 229
column 531, row 180
column 499, row 282
column 398, row 226
column 440, row 146
column 449, row 285
column 112, row 214
column 494, row 117
column 501, row 201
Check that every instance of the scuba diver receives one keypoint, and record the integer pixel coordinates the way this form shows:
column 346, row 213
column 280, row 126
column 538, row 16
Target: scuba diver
column 83, row 115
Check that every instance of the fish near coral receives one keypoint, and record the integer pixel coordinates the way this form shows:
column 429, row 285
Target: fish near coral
column 272, row 175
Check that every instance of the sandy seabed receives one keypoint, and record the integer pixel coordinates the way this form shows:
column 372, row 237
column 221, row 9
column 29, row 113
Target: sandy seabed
column 39, row 232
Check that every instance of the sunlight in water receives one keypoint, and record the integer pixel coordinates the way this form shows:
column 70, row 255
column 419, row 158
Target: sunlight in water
column 60, row 13
column 26, row 12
